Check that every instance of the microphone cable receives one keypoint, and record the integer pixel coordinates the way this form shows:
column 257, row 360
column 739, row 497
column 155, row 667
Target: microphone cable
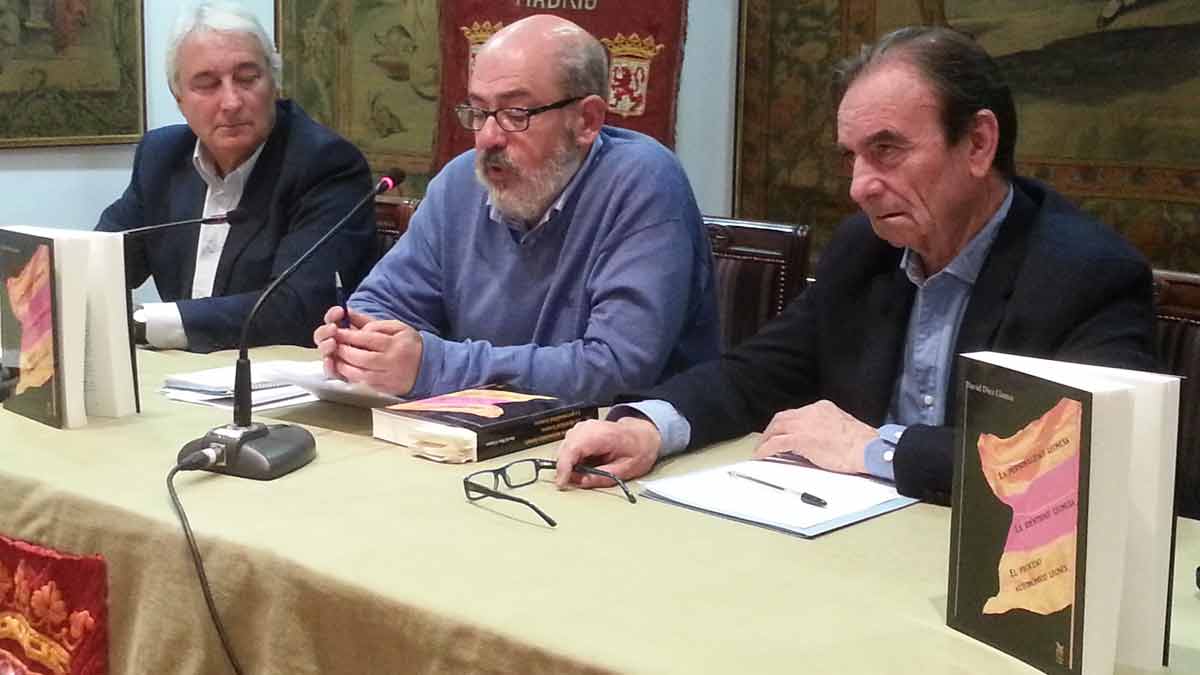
column 210, row 453
column 193, row 462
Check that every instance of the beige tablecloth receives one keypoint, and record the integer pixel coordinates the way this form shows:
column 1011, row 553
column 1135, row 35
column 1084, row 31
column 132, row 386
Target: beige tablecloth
column 370, row 561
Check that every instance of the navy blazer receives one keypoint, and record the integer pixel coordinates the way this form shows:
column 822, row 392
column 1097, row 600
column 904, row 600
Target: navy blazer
column 1055, row 284
column 306, row 179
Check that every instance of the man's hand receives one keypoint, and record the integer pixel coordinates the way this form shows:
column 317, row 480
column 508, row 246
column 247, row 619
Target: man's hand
column 325, row 336
column 822, row 433
column 385, row 354
column 627, row 448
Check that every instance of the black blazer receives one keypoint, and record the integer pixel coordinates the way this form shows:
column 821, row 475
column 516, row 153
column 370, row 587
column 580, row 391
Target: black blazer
column 1055, row 284
column 306, row 179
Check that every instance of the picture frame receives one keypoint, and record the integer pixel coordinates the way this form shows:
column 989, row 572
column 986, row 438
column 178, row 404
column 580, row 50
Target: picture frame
column 71, row 72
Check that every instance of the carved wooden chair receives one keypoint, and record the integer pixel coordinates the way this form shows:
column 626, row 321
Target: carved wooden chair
column 759, row 268
column 391, row 221
column 1177, row 343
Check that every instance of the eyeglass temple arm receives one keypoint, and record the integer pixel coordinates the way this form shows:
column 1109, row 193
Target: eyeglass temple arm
column 583, row 468
column 503, row 495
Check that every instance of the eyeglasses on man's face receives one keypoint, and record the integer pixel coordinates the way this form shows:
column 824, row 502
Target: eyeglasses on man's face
column 524, row 472
column 509, row 119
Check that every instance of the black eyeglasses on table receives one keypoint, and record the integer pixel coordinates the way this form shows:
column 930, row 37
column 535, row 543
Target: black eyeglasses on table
column 486, row 483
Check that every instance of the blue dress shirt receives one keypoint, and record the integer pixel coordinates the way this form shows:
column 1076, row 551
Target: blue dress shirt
column 920, row 394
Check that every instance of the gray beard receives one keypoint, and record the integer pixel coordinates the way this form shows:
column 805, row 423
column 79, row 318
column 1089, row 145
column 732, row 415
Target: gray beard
column 533, row 191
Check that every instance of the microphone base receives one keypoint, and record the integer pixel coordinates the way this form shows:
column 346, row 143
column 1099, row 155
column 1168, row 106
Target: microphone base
column 258, row 451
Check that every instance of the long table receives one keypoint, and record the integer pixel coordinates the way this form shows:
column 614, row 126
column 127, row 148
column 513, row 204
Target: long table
column 371, row 561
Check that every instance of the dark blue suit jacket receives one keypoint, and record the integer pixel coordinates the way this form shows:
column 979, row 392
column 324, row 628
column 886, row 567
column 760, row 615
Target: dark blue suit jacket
column 1056, row 284
column 306, row 179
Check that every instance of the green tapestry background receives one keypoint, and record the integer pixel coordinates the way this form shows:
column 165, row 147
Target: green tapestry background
column 1108, row 113
column 370, row 69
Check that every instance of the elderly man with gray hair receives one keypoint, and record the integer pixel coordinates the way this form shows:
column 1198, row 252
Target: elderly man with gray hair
column 242, row 147
column 560, row 255
column 952, row 252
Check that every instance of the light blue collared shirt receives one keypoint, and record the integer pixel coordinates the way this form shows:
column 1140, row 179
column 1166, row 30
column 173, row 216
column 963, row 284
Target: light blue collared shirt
column 937, row 314
column 921, row 388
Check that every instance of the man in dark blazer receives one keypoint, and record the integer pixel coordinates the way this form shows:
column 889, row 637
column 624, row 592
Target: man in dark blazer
column 291, row 177
column 952, row 253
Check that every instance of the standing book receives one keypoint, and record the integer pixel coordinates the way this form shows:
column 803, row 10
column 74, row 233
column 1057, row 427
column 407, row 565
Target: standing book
column 65, row 295
column 31, row 316
column 477, row 424
column 1061, row 529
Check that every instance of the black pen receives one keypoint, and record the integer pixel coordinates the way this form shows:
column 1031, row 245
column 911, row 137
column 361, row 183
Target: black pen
column 806, row 497
column 341, row 300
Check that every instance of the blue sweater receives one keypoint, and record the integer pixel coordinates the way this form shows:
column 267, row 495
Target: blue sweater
column 612, row 293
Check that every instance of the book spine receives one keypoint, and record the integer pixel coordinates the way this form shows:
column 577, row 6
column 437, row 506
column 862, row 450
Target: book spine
column 508, row 438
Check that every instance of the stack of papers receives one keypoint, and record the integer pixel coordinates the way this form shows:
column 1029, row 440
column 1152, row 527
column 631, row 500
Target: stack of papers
column 275, row 384
column 770, row 493
column 310, row 375
column 214, row 387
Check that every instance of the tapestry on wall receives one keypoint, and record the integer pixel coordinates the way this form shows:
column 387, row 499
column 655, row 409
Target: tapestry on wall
column 370, row 70
column 1105, row 92
column 644, row 40
column 53, row 611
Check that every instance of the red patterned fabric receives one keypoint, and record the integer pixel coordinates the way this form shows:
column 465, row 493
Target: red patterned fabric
column 644, row 40
column 53, row 611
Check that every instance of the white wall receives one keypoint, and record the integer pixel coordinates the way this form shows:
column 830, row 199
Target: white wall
column 708, row 104
column 70, row 186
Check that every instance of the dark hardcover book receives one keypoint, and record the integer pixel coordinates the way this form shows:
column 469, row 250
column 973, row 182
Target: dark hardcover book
column 88, row 311
column 1043, row 565
column 29, row 326
column 477, row 424
column 1017, row 559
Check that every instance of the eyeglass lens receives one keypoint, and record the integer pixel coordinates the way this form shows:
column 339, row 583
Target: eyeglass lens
column 521, row 473
column 509, row 119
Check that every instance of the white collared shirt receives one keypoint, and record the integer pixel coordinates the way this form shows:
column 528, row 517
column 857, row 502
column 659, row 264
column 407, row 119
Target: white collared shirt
column 223, row 195
column 164, row 324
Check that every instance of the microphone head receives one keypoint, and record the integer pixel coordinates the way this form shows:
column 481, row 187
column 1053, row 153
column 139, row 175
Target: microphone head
column 236, row 216
column 395, row 176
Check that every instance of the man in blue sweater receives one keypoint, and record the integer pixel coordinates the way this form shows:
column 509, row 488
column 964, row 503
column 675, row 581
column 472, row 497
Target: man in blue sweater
column 560, row 255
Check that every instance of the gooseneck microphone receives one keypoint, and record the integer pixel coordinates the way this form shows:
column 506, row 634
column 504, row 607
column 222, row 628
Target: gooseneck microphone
column 251, row 449
column 233, row 217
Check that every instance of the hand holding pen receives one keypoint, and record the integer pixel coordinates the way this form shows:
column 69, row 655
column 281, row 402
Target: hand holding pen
column 806, row 497
column 341, row 300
